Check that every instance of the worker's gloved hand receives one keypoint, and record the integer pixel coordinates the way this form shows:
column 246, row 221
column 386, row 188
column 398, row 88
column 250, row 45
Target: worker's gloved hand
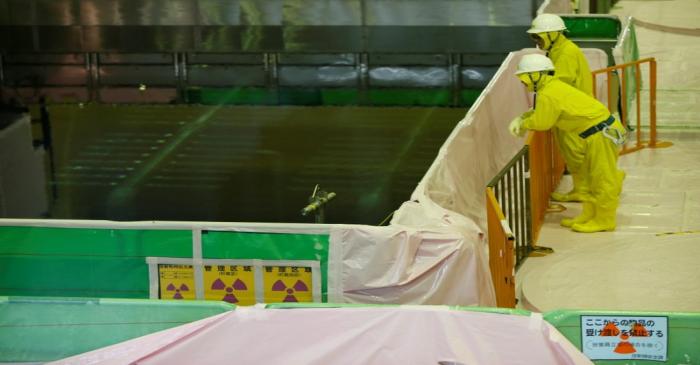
column 516, row 127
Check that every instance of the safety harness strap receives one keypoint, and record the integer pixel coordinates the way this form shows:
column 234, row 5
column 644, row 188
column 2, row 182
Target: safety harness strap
column 597, row 128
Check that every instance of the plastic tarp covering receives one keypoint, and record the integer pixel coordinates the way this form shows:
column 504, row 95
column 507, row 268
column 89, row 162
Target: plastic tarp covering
column 409, row 265
column 407, row 335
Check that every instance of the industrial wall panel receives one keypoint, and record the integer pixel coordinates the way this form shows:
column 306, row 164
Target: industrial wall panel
column 16, row 39
column 323, row 39
column 321, row 12
column 60, row 38
column 448, row 12
column 135, row 58
column 53, row 94
column 409, row 76
column 483, row 59
column 225, row 58
column 219, row 75
column 323, row 76
column 134, row 95
column 317, row 59
column 256, row 12
column 477, row 77
column 66, row 58
column 217, row 12
column 407, row 59
column 19, row 12
column 478, row 39
column 136, row 75
column 138, row 39
column 57, row 12
column 138, row 12
column 45, row 75
column 249, row 39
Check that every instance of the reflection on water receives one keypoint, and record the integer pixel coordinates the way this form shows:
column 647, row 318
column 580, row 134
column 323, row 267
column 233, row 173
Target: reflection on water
column 254, row 164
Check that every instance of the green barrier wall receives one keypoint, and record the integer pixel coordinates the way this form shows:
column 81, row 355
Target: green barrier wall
column 683, row 333
column 46, row 329
column 111, row 263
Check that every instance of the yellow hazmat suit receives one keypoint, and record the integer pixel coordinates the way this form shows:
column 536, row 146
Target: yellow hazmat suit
column 573, row 112
column 571, row 68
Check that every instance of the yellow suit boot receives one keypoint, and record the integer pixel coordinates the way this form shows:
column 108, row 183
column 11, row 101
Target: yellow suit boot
column 587, row 214
column 576, row 194
column 604, row 220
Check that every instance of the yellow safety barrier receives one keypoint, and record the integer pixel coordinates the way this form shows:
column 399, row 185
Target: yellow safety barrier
column 626, row 68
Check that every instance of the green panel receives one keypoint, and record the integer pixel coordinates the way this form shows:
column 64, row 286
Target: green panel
column 468, row 97
column 45, row 329
column 683, row 328
column 300, row 96
column 96, row 276
column 98, row 242
column 424, row 97
column 233, row 96
column 340, row 97
column 268, row 246
column 592, row 27
column 44, row 261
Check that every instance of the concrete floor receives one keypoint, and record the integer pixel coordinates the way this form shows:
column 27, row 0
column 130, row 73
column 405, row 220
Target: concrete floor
column 650, row 263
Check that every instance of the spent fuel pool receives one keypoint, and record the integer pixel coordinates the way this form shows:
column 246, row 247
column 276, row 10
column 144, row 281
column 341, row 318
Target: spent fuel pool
column 240, row 163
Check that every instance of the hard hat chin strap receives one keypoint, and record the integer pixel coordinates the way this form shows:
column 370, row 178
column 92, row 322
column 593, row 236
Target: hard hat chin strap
column 551, row 41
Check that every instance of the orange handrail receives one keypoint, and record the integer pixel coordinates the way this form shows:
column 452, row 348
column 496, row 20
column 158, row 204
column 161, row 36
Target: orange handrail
column 652, row 143
column 546, row 168
column 501, row 255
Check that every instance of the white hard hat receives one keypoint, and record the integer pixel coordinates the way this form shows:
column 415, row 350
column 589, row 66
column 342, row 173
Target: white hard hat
column 547, row 23
column 534, row 63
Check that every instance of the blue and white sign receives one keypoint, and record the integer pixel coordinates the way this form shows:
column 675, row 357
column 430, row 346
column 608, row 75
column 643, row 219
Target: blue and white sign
column 625, row 337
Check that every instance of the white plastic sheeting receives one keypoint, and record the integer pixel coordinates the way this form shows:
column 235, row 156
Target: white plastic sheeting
column 408, row 265
column 425, row 335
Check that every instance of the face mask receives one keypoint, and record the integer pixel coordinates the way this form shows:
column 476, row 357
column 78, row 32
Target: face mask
column 546, row 40
column 530, row 80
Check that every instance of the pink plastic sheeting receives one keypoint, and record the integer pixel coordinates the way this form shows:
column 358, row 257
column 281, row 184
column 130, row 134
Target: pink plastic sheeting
column 409, row 266
column 408, row 335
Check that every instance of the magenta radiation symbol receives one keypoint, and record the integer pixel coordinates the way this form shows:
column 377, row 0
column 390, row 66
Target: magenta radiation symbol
column 177, row 290
column 230, row 297
column 298, row 286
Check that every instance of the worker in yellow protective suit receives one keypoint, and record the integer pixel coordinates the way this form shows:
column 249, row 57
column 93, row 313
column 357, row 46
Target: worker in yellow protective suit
column 559, row 105
column 572, row 68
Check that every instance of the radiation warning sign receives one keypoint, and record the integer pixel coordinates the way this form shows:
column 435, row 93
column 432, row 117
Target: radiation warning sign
column 624, row 337
column 287, row 284
column 231, row 283
column 176, row 281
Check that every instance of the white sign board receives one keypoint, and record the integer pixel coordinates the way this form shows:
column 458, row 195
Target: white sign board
column 625, row 337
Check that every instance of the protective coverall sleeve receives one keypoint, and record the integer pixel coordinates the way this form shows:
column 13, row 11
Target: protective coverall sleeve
column 566, row 68
column 544, row 116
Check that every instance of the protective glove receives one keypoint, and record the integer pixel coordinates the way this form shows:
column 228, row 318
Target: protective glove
column 516, row 127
